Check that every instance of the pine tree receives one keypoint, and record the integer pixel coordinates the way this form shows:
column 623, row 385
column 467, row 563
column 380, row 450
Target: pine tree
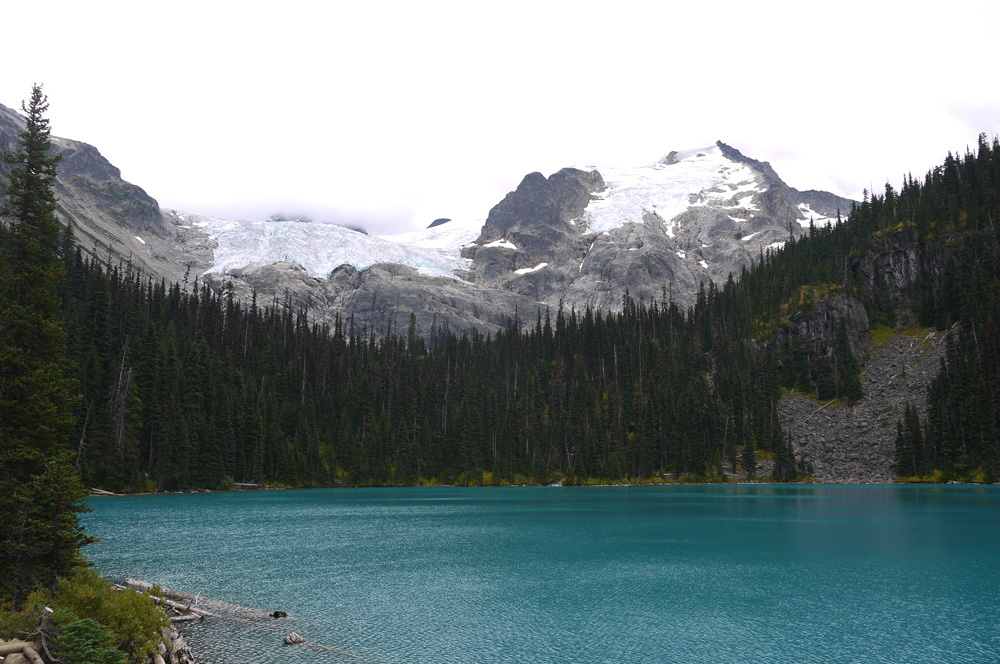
column 39, row 494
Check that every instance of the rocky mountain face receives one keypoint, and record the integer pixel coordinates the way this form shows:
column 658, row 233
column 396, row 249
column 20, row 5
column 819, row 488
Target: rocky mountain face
column 584, row 238
column 111, row 217
column 579, row 238
column 856, row 442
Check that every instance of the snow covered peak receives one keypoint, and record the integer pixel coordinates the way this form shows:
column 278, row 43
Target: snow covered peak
column 679, row 181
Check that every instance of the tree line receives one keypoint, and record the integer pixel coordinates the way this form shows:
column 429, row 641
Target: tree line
column 183, row 387
column 196, row 389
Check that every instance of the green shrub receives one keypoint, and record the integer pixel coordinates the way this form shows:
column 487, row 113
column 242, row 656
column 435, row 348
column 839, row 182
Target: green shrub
column 132, row 618
column 85, row 641
column 12, row 624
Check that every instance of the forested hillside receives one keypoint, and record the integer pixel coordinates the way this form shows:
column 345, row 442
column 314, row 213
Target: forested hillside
column 927, row 254
column 183, row 387
column 196, row 391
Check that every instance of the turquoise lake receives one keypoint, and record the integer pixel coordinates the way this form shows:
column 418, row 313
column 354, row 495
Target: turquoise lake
column 748, row 573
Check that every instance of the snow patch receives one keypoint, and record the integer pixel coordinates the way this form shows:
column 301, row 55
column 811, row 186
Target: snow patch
column 139, row 239
column 774, row 246
column 682, row 254
column 703, row 263
column 502, row 244
column 526, row 270
column 810, row 215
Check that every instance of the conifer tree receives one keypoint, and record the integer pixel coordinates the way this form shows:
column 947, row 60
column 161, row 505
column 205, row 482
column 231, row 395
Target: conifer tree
column 39, row 494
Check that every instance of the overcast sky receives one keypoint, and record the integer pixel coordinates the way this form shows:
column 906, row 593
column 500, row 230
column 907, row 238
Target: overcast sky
column 391, row 114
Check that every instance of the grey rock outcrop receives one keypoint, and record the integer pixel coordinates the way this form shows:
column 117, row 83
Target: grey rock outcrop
column 111, row 217
column 539, row 242
column 856, row 443
column 380, row 298
column 816, row 329
column 536, row 218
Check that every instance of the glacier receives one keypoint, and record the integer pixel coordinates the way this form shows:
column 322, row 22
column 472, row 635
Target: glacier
column 322, row 247
column 681, row 181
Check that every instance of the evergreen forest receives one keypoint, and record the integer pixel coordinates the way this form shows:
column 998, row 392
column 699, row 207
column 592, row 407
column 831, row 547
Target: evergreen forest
column 182, row 387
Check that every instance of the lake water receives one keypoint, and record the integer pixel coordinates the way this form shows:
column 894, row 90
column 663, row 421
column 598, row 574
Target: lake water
column 758, row 573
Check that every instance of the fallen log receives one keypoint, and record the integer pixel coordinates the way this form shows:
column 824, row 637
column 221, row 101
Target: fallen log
column 147, row 587
column 187, row 618
column 32, row 656
column 11, row 647
column 184, row 608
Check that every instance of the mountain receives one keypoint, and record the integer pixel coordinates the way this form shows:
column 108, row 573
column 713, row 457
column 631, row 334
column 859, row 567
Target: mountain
column 585, row 237
column 111, row 217
column 577, row 238
column 862, row 351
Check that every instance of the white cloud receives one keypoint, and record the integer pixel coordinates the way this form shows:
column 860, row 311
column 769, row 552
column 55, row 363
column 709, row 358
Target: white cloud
column 395, row 113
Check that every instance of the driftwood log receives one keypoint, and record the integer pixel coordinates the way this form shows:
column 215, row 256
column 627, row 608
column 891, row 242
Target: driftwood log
column 181, row 608
column 32, row 656
column 188, row 618
column 11, row 647
column 178, row 650
column 18, row 650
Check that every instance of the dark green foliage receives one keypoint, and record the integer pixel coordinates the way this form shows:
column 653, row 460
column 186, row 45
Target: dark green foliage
column 216, row 390
column 85, row 641
column 39, row 494
column 91, row 621
column 130, row 620
column 909, row 444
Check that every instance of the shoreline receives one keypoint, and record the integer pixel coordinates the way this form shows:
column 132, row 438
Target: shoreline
column 100, row 493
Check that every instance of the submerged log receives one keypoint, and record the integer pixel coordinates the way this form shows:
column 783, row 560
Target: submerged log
column 188, row 618
column 184, row 608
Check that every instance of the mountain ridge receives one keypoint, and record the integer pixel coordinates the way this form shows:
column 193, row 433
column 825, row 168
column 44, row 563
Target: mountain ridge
column 576, row 238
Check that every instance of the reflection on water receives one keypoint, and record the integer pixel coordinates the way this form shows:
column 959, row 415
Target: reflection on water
column 746, row 573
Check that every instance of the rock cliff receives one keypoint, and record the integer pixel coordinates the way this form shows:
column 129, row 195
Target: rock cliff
column 111, row 217
column 856, row 443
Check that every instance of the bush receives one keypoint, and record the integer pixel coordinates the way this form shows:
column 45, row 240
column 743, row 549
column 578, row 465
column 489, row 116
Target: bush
column 132, row 619
column 85, row 641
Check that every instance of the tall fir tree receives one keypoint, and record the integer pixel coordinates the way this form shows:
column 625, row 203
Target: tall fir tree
column 40, row 495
